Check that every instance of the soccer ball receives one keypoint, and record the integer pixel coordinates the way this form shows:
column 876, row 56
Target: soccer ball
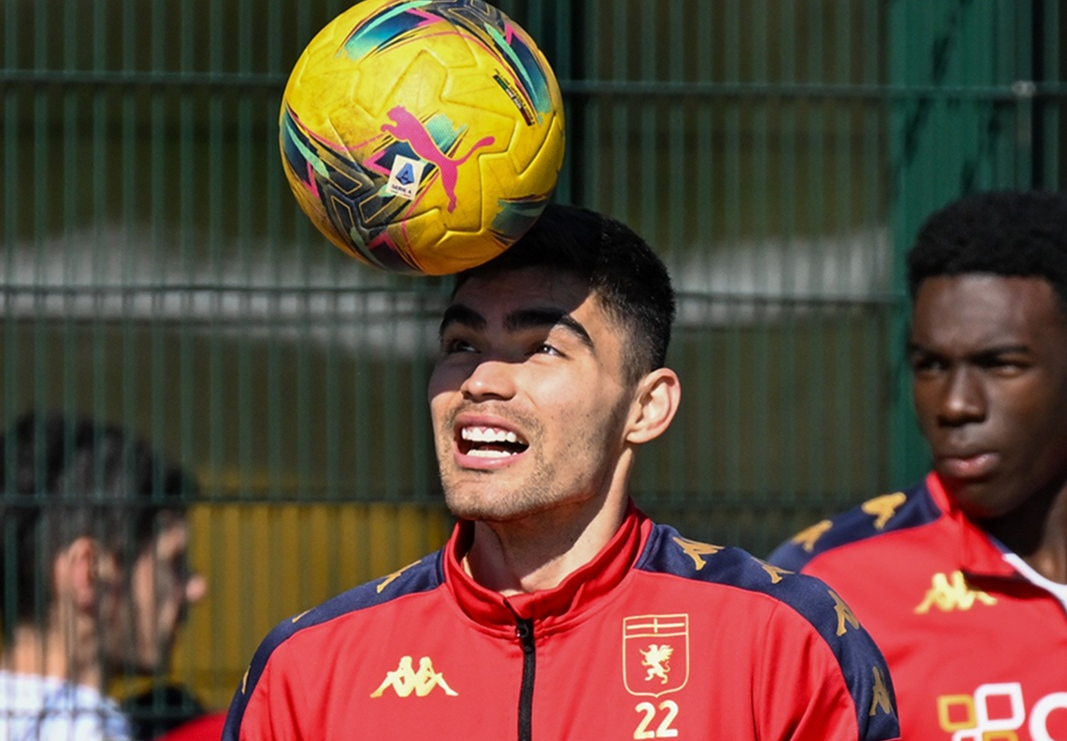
column 422, row 136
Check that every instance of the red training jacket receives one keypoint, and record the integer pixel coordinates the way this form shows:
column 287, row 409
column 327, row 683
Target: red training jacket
column 657, row 637
column 978, row 652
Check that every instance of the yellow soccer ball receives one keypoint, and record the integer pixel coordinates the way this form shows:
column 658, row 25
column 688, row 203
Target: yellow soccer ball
column 422, row 136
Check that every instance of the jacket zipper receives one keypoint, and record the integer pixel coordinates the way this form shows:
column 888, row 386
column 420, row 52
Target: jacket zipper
column 524, row 630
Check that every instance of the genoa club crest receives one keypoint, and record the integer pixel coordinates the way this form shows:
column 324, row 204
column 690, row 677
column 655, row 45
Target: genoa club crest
column 655, row 654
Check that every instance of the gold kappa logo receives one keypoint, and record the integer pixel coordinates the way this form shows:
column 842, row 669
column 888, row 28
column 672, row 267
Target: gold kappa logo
column 390, row 578
column 951, row 592
column 655, row 654
column 880, row 699
column 774, row 572
column 697, row 551
column 844, row 614
column 807, row 537
column 404, row 679
column 884, row 507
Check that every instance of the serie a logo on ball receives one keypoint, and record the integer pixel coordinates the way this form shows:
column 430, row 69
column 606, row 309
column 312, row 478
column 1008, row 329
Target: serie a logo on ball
column 422, row 136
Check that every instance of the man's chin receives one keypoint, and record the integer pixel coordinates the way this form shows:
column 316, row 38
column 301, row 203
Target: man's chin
column 476, row 509
column 500, row 497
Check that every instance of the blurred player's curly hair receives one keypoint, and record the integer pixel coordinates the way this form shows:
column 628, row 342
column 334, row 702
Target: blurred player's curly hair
column 1009, row 233
column 621, row 269
column 66, row 477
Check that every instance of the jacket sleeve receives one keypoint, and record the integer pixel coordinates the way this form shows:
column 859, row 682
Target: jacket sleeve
column 822, row 676
column 270, row 704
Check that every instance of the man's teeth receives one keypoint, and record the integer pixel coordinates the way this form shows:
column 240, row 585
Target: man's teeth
column 488, row 435
column 491, row 442
column 488, row 453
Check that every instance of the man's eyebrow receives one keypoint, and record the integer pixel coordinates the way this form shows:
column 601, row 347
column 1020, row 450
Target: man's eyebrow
column 547, row 319
column 460, row 314
column 983, row 352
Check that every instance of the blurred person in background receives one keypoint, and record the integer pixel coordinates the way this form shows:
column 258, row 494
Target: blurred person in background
column 94, row 577
column 962, row 578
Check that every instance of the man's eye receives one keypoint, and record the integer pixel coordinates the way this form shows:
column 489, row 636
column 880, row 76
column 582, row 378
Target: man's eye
column 545, row 349
column 1005, row 366
column 925, row 364
column 456, row 345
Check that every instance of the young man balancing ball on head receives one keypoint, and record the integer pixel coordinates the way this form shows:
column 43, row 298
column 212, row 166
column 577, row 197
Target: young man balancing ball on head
column 557, row 610
column 962, row 578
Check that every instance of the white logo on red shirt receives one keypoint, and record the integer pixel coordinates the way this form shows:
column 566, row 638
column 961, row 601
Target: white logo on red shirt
column 996, row 711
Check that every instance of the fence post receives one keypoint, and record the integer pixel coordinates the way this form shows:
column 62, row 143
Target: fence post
column 956, row 68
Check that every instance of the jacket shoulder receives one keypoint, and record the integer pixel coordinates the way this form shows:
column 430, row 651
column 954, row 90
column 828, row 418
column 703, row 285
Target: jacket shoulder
column 795, row 600
column 668, row 552
column 421, row 576
column 876, row 517
column 803, row 611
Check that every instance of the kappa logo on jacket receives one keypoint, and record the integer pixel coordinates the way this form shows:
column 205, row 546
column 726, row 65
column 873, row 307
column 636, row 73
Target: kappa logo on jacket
column 808, row 537
column 404, row 679
column 880, row 699
column 845, row 616
column 951, row 592
column 883, row 508
column 697, row 551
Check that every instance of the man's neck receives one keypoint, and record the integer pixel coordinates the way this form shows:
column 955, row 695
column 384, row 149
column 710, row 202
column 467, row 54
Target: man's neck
column 539, row 552
column 49, row 654
column 1037, row 533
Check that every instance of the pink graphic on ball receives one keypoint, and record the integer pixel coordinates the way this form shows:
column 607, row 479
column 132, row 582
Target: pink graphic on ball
column 408, row 128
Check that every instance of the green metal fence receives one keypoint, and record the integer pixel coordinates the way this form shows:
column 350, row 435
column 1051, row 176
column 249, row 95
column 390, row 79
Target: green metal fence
column 156, row 271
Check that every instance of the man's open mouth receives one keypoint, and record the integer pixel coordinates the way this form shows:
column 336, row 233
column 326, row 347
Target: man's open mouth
column 490, row 442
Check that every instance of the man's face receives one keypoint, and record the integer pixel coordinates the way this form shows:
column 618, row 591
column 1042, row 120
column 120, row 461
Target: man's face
column 528, row 396
column 145, row 612
column 989, row 370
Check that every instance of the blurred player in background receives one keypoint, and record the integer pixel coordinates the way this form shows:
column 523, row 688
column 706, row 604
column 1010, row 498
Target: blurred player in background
column 962, row 578
column 94, row 579
column 558, row 610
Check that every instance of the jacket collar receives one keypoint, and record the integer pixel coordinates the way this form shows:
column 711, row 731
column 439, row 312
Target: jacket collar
column 978, row 553
column 549, row 609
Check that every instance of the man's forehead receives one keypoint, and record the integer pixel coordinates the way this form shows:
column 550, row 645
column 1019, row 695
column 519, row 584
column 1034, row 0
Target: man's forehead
column 534, row 287
column 982, row 310
column 977, row 293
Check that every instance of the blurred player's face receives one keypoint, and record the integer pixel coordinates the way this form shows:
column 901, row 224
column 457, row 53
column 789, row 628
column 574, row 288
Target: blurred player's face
column 528, row 397
column 160, row 587
column 989, row 367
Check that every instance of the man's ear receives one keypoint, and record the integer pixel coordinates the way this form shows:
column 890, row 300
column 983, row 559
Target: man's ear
column 77, row 572
column 655, row 404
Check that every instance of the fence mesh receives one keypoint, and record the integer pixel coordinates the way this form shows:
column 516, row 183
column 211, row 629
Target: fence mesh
column 157, row 273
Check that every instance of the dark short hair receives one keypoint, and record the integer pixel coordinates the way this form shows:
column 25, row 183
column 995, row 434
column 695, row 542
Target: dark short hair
column 1010, row 233
column 65, row 477
column 620, row 268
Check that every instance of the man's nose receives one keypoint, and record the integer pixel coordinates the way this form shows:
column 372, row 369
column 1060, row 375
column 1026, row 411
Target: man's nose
column 963, row 399
column 195, row 588
column 491, row 378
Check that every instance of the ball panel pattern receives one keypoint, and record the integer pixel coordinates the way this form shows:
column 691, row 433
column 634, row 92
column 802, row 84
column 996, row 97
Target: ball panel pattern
column 422, row 136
